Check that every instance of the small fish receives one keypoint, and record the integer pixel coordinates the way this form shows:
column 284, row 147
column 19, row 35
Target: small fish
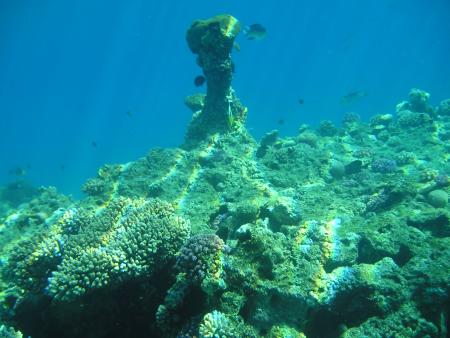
column 129, row 114
column 237, row 47
column 199, row 80
column 18, row 171
column 62, row 167
column 94, row 144
column 280, row 122
column 301, row 101
column 255, row 32
column 353, row 96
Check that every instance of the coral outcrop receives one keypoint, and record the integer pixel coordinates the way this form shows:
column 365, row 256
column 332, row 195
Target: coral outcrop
column 212, row 40
column 339, row 231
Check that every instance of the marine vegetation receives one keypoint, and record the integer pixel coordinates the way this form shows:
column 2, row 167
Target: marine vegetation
column 338, row 231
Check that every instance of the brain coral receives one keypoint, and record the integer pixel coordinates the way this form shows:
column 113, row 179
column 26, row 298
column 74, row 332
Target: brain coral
column 127, row 239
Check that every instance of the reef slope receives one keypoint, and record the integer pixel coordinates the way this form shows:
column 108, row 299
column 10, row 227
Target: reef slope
column 334, row 232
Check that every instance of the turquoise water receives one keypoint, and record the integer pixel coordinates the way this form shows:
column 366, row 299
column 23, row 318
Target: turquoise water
column 70, row 73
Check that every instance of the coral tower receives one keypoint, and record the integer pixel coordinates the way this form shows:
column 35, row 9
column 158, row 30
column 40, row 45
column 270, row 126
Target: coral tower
column 212, row 40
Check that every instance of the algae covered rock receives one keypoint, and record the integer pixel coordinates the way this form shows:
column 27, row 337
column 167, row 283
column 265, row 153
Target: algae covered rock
column 417, row 102
column 195, row 102
column 285, row 211
column 212, row 40
column 438, row 198
column 217, row 34
column 268, row 139
column 308, row 137
column 437, row 221
column 337, row 169
column 406, row 322
column 444, row 108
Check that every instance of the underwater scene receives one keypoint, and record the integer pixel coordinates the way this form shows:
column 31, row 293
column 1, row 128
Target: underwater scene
column 220, row 169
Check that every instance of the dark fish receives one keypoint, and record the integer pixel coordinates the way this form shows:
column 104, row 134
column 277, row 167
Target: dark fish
column 301, row 101
column 280, row 121
column 353, row 167
column 94, row 144
column 352, row 96
column 199, row 80
column 129, row 114
column 18, row 171
column 255, row 32
column 62, row 167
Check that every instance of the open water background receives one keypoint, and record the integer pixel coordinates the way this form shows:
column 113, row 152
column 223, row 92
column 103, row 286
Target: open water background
column 70, row 72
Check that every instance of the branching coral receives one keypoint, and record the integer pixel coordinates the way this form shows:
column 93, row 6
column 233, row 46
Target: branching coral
column 128, row 239
column 215, row 324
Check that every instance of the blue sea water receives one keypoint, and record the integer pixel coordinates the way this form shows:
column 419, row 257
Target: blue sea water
column 70, row 72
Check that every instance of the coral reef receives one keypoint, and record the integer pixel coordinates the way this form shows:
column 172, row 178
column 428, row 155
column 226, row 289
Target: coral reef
column 334, row 232
column 199, row 258
column 9, row 332
column 215, row 324
column 417, row 102
column 384, row 165
column 212, row 40
column 129, row 239
column 444, row 108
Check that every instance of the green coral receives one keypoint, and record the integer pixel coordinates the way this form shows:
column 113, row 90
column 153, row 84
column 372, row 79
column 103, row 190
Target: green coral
column 216, row 325
column 128, row 239
column 9, row 332
column 30, row 245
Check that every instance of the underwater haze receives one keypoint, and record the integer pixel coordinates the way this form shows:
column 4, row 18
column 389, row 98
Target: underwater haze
column 100, row 82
